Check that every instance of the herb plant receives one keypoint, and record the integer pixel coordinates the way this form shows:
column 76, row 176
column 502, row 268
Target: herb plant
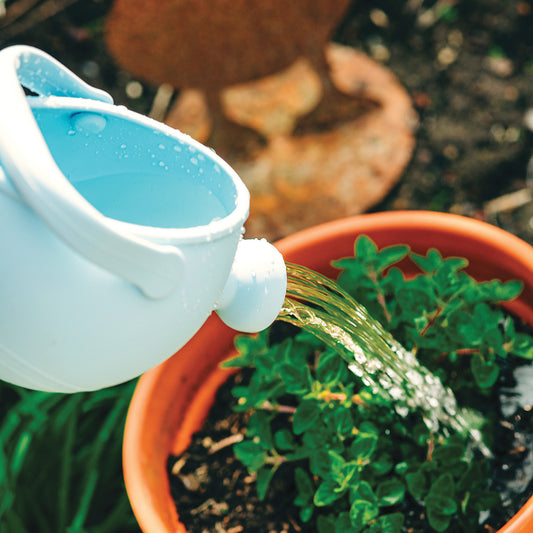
column 358, row 466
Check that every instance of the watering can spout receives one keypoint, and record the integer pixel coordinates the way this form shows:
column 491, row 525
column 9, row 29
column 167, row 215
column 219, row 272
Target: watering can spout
column 256, row 286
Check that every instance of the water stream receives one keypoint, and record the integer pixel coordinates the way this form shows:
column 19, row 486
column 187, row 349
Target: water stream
column 320, row 306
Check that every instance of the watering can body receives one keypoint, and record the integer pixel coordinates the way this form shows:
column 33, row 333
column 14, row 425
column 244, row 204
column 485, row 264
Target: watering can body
column 118, row 236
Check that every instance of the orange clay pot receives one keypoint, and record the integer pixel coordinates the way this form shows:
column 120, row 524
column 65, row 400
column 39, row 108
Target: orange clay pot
column 172, row 400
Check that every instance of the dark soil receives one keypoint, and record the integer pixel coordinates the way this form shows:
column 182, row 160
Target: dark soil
column 216, row 493
column 469, row 73
column 468, row 65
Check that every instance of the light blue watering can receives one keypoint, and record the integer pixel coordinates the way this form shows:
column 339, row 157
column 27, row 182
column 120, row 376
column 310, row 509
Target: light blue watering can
column 118, row 235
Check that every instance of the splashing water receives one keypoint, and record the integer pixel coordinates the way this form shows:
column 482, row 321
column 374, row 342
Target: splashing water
column 320, row 306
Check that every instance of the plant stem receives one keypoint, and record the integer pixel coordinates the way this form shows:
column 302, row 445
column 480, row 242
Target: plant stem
column 431, row 321
column 267, row 406
column 224, row 443
column 380, row 296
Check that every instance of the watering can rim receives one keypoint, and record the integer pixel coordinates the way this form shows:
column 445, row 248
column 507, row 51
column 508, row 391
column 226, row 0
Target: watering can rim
column 202, row 233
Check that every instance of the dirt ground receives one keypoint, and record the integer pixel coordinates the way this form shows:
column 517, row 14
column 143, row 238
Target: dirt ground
column 467, row 64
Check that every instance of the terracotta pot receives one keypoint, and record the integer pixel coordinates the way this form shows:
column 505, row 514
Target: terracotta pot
column 172, row 400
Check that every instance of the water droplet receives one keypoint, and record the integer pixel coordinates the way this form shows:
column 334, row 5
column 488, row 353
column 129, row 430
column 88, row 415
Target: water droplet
column 194, row 161
column 161, row 147
column 123, row 146
column 88, row 121
column 177, row 147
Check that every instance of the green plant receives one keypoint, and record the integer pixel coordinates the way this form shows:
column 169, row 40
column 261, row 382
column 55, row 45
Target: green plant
column 60, row 461
column 359, row 466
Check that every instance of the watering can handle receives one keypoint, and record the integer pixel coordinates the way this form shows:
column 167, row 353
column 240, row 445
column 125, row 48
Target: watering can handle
column 155, row 269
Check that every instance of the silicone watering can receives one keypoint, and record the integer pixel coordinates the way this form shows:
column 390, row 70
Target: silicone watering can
column 118, row 235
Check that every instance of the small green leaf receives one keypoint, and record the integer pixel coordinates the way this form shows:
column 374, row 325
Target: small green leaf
column 482, row 500
column 327, row 493
column 343, row 422
column 448, row 453
column 363, row 447
column 265, row 363
column 391, row 255
column 522, row 345
column 306, row 415
column 508, row 290
column 492, row 343
column 319, row 438
column 306, row 513
column 328, row 367
column 319, row 462
column 401, row 468
column 343, row 525
column 365, row 248
column 367, row 429
column 251, row 454
column 363, row 491
column 455, row 264
column 264, row 476
column 296, row 379
column 248, row 346
column 283, row 440
column 259, row 426
column 391, row 523
column 305, row 487
column 439, row 510
column 475, row 474
column 390, row 492
column 485, row 372
column 362, row 512
column 382, row 464
column 440, row 504
column 439, row 522
column 416, row 484
column 443, row 486
column 428, row 263
column 336, row 462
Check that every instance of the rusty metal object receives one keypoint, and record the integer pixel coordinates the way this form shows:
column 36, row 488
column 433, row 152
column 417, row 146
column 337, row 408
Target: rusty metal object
column 210, row 44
